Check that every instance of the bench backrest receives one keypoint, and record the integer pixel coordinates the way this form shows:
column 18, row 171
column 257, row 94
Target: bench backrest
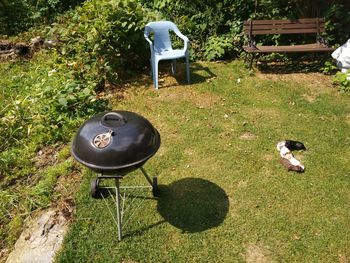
column 289, row 26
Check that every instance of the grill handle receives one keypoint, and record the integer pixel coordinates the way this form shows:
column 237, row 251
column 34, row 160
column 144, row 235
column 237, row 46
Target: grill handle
column 113, row 119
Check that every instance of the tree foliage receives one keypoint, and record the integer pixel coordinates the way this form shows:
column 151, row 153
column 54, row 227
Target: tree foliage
column 19, row 15
column 214, row 27
column 209, row 24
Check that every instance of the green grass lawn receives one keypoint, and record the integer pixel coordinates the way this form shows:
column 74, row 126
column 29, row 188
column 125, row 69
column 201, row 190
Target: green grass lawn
column 224, row 196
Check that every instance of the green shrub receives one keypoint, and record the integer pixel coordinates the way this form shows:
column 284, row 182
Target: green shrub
column 329, row 67
column 337, row 23
column 207, row 23
column 217, row 46
column 97, row 42
column 14, row 16
column 343, row 81
column 19, row 15
column 103, row 39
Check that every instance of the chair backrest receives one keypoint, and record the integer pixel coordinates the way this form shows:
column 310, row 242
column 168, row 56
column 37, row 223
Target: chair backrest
column 161, row 29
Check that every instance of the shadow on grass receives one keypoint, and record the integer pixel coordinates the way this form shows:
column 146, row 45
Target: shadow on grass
column 193, row 204
column 140, row 232
column 198, row 74
column 311, row 63
column 190, row 204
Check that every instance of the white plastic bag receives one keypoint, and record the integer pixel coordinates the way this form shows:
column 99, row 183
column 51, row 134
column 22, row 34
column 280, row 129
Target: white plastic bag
column 342, row 55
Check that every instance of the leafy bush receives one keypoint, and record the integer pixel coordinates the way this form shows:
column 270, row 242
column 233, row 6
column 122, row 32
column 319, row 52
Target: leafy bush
column 338, row 23
column 103, row 39
column 96, row 43
column 343, row 81
column 14, row 16
column 57, row 89
column 207, row 23
column 329, row 68
column 217, row 46
column 19, row 15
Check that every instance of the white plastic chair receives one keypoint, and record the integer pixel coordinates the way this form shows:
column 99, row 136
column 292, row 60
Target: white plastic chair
column 161, row 48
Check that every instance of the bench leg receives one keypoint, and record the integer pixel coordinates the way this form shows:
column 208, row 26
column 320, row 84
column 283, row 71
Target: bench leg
column 251, row 61
column 258, row 58
column 246, row 57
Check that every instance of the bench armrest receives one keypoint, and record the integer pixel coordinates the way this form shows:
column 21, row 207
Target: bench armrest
column 251, row 42
column 321, row 40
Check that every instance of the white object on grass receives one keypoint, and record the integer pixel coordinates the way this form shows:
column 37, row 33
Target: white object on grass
column 342, row 55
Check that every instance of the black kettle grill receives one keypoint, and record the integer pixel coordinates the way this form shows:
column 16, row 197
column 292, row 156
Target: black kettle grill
column 114, row 144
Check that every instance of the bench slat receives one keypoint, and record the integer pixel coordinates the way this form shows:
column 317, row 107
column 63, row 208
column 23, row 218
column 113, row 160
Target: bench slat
column 282, row 26
column 282, row 31
column 285, row 21
column 287, row 26
column 287, row 49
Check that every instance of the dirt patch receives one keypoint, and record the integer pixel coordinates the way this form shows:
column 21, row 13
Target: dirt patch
column 242, row 184
column 200, row 100
column 248, row 136
column 257, row 254
column 309, row 79
column 310, row 97
column 256, row 113
column 343, row 259
column 110, row 91
column 46, row 156
column 190, row 152
column 347, row 120
column 268, row 157
column 65, row 188
column 10, row 50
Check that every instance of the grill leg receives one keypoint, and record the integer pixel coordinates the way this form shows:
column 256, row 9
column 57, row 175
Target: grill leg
column 153, row 182
column 146, row 175
column 119, row 219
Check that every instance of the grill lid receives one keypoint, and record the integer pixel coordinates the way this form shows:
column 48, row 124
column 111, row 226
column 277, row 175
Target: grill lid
column 114, row 141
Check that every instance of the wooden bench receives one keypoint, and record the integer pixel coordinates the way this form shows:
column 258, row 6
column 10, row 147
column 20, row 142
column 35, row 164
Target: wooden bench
column 315, row 26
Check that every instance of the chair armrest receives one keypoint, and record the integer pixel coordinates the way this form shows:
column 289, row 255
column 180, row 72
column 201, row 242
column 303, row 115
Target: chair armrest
column 150, row 42
column 183, row 37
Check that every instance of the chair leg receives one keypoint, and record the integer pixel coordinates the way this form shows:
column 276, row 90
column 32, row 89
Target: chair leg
column 188, row 69
column 155, row 73
column 152, row 69
column 173, row 66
